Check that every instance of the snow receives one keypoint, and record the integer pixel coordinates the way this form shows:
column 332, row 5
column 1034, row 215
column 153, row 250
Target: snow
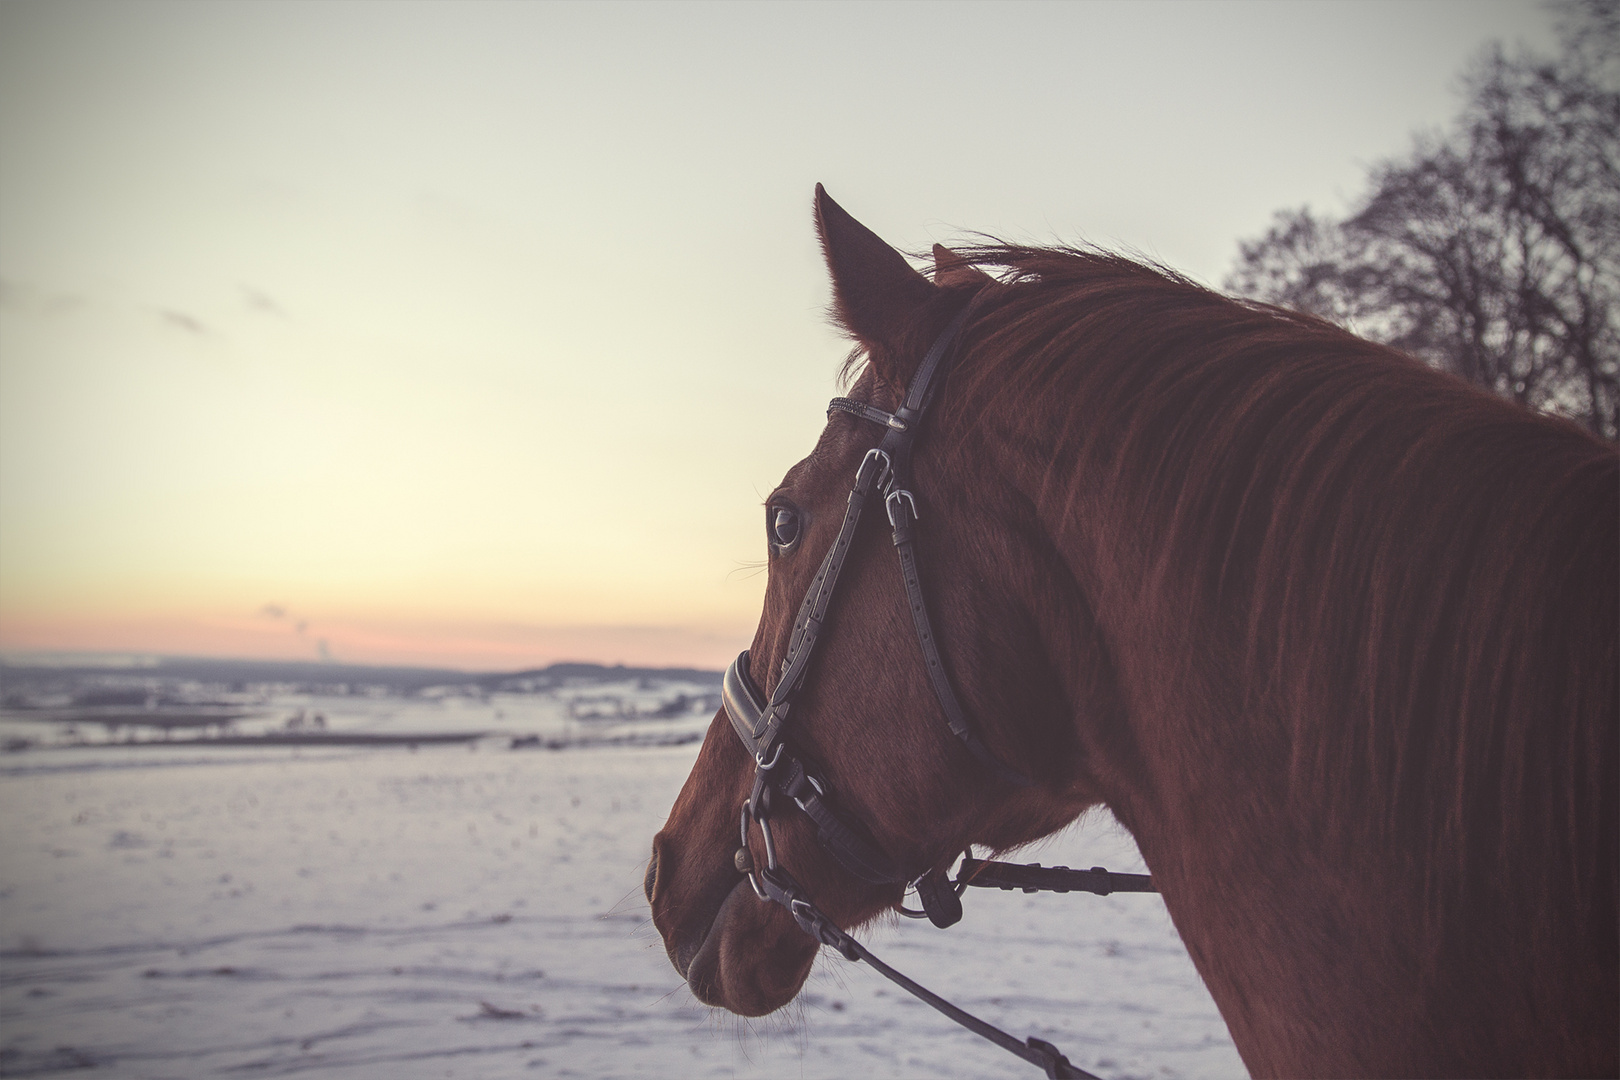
column 476, row 911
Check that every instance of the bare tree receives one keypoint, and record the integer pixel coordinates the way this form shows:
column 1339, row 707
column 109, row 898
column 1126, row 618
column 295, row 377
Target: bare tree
column 1493, row 250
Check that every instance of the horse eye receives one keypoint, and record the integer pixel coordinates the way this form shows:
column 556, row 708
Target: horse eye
column 784, row 527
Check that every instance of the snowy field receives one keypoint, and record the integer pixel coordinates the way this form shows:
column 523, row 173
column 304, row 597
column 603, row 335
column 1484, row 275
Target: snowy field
column 475, row 910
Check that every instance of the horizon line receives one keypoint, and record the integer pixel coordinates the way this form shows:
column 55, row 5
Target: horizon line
column 135, row 660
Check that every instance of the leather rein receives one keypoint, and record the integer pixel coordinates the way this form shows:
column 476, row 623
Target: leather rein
column 781, row 773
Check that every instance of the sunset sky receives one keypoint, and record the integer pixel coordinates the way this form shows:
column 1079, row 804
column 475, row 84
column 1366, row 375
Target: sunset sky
column 474, row 334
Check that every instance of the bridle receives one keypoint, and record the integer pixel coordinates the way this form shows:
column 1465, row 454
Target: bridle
column 779, row 771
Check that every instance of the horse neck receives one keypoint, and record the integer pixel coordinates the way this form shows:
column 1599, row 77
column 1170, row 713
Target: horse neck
column 1227, row 522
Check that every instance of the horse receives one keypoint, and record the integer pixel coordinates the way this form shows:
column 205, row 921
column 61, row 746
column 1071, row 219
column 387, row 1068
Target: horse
column 1331, row 633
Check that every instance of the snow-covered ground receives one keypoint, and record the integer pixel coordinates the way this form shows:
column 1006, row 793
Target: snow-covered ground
column 598, row 710
column 476, row 911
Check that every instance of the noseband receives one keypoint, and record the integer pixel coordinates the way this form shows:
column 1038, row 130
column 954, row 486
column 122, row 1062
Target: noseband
column 761, row 723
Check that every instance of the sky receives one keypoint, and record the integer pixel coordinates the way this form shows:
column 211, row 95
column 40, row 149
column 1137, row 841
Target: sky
column 473, row 334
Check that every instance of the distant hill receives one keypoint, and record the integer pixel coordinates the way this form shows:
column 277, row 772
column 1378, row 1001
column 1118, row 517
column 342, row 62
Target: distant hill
column 20, row 670
column 603, row 673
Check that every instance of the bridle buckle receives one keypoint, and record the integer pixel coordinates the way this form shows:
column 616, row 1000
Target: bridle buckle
column 766, row 766
column 885, row 467
column 892, row 506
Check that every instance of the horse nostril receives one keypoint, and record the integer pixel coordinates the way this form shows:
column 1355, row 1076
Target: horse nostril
column 652, row 875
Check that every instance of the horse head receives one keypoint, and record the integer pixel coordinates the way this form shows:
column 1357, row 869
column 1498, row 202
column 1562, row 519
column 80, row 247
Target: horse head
column 1331, row 633
column 866, row 714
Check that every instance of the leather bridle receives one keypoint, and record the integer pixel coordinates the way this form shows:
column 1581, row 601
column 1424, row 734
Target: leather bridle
column 779, row 771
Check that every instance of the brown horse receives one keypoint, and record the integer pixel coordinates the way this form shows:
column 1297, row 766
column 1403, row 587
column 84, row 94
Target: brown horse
column 1333, row 634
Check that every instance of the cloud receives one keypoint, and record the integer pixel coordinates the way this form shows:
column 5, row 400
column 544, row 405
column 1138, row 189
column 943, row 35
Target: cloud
column 181, row 321
column 262, row 302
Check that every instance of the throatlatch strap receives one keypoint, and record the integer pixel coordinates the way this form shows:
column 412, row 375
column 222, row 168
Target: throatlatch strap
column 901, row 517
column 901, row 505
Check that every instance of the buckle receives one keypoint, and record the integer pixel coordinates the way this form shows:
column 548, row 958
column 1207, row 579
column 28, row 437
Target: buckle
column 892, row 504
column 885, row 469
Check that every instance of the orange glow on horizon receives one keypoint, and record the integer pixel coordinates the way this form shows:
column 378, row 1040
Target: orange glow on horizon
column 467, row 646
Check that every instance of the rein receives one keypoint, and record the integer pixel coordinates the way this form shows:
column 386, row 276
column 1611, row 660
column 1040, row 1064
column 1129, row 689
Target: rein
column 760, row 722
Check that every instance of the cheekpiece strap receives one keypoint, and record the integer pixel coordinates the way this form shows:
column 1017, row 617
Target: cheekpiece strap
column 873, row 471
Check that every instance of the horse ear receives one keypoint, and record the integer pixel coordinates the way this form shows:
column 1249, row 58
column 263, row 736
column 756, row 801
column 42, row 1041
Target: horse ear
column 876, row 293
column 951, row 269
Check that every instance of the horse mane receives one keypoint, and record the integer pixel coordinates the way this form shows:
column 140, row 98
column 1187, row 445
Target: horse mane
column 1413, row 582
